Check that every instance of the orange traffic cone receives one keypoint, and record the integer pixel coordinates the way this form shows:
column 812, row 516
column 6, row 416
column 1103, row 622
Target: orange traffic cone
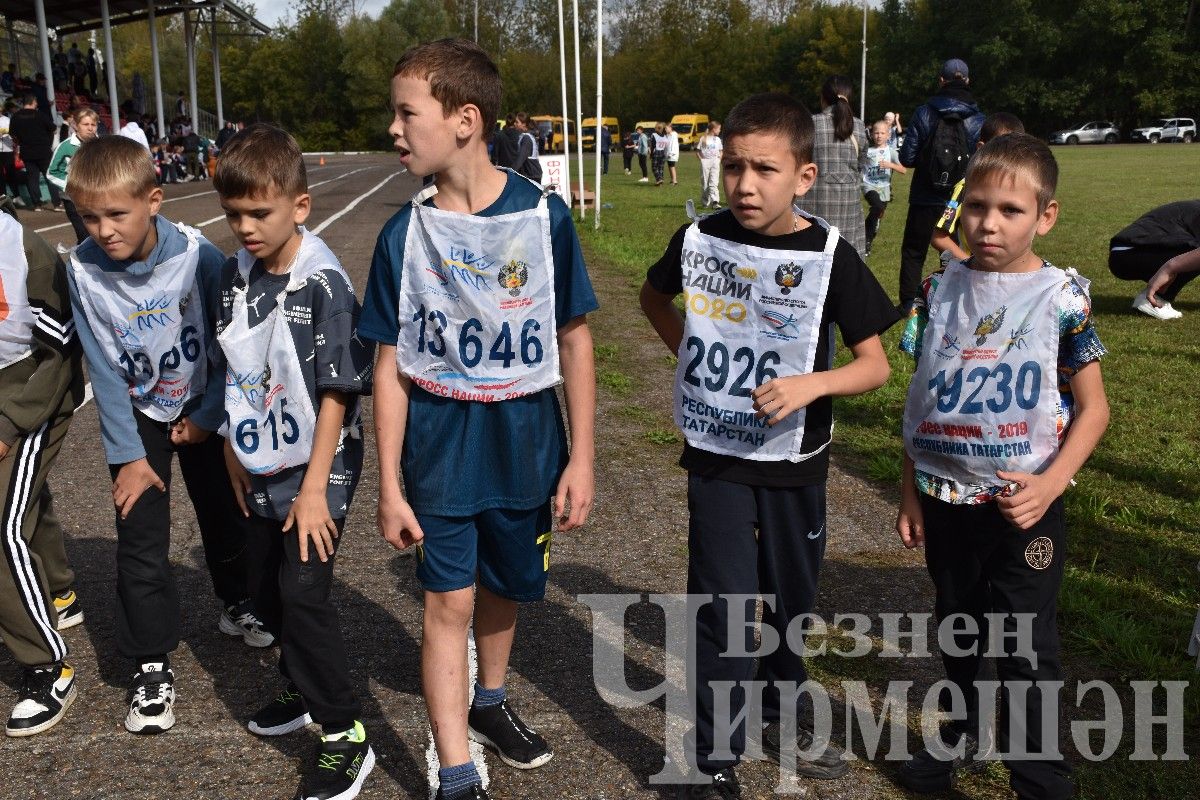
column 322, row 161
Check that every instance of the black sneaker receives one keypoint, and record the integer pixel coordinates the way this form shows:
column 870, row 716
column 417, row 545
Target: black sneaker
column 69, row 609
column 828, row 764
column 724, row 786
column 498, row 727
column 284, row 714
column 151, row 699
column 473, row 792
column 929, row 772
column 343, row 762
column 45, row 696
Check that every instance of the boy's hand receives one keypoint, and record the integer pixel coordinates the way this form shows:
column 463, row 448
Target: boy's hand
column 910, row 522
column 187, row 432
column 576, row 491
column 3, row 451
column 1028, row 504
column 779, row 397
column 397, row 523
column 239, row 477
column 310, row 516
column 132, row 480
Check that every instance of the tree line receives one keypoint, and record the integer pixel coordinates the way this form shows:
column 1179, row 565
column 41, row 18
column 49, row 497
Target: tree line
column 324, row 72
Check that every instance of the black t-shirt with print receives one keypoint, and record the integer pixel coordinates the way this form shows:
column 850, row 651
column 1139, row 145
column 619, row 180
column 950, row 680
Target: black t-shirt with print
column 855, row 303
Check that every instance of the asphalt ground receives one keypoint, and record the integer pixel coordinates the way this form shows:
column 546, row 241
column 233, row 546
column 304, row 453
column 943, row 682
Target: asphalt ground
column 635, row 543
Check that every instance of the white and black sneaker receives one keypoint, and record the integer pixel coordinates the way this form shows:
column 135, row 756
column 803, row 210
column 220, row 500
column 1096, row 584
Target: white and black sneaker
column 151, row 699
column 69, row 609
column 240, row 621
column 343, row 762
column 284, row 714
column 499, row 728
column 45, row 696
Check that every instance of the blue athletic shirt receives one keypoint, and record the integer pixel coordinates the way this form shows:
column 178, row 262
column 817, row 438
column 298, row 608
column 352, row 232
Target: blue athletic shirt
column 462, row 457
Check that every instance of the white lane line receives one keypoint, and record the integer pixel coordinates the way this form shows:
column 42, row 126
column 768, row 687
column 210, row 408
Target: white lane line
column 202, row 194
column 220, row 217
column 87, row 395
column 473, row 747
column 355, row 202
column 168, row 200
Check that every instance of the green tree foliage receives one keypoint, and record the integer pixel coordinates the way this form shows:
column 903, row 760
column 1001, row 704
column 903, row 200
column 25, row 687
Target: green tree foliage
column 324, row 72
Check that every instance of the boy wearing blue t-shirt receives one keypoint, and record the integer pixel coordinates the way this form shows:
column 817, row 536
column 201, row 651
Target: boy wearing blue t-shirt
column 477, row 294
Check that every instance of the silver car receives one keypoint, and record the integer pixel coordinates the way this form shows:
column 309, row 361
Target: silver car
column 1098, row 132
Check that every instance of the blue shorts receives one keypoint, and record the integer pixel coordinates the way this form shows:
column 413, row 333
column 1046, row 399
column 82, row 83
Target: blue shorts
column 508, row 550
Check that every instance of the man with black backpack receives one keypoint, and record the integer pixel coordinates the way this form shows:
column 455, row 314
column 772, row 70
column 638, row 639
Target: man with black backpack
column 940, row 137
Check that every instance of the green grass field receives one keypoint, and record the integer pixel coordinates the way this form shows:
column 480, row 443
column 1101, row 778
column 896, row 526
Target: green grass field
column 1131, row 587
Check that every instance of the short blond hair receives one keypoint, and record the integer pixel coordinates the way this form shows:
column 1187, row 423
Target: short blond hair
column 1013, row 156
column 110, row 164
column 83, row 112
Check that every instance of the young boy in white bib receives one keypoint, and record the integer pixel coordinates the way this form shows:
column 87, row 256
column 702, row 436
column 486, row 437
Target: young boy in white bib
column 1005, row 405
column 763, row 286
column 478, row 297
column 41, row 383
column 144, row 300
column 294, row 372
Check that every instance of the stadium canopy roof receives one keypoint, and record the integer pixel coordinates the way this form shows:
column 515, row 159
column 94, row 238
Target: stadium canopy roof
column 77, row 16
column 66, row 17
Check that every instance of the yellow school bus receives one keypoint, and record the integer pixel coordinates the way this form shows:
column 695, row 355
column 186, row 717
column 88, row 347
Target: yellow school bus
column 690, row 128
column 589, row 132
column 550, row 132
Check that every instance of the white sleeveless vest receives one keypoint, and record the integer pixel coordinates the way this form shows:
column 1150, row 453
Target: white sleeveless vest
column 16, row 317
column 476, row 304
column 752, row 314
column 983, row 397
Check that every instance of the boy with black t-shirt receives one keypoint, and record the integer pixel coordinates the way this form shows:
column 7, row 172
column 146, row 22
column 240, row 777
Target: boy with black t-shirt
column 762, row 282
column 294, row 372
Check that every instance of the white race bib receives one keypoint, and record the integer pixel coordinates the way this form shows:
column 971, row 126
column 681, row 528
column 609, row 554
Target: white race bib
column 16, row 317
column 477, row 303
column 983, row 397
column 752, row 314
column 150, row 327
column 269, row 415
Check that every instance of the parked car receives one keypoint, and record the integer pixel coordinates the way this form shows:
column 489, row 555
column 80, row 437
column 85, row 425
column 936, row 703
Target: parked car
column 1167, row 129
column 1097, row 132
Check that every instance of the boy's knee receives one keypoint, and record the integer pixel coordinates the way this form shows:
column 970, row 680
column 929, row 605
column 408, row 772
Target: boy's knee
column 451, row 609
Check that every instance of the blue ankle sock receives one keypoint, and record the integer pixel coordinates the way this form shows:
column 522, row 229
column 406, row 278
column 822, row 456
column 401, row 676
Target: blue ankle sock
column 455, row 779
column 488, row 697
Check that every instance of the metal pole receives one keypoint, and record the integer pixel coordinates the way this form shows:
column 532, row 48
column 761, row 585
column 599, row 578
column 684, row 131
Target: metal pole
column 158, row 101
column 14, row 52
column 599, row 102
column 189, row 34
column 562, row 73
column 110, row 67
column 216, row 59
column 476, row 21
column 47, row 66
column 578, row 114
column 862, row 86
